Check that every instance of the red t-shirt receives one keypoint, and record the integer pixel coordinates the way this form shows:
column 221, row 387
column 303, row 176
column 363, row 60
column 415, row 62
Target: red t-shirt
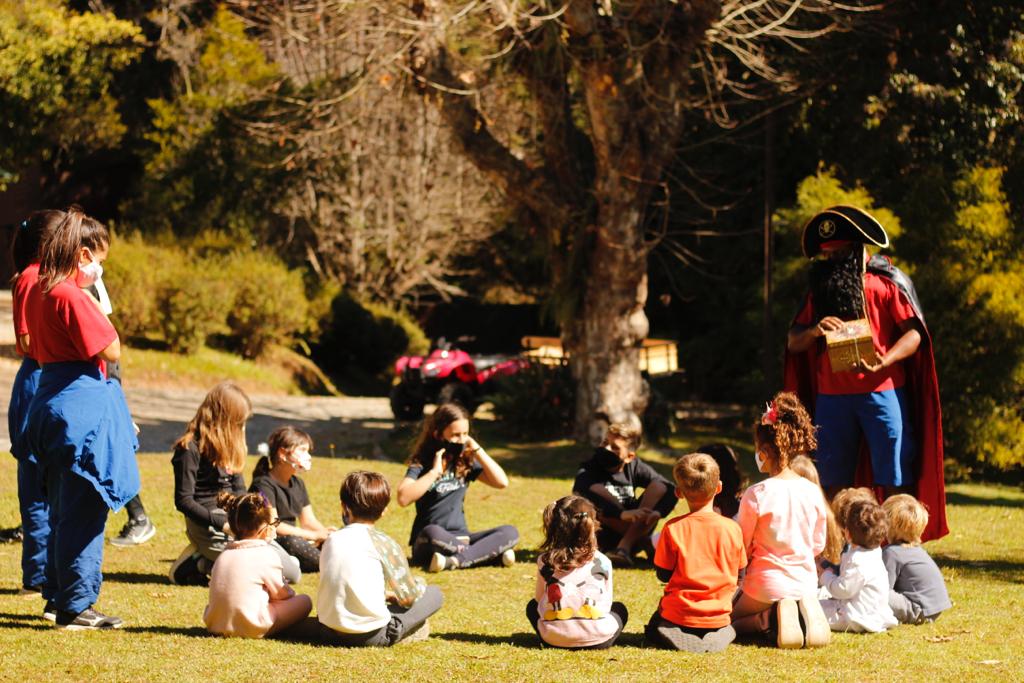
column 887, row 308
column 26, row 279
column 66, row 325
column 705, row 553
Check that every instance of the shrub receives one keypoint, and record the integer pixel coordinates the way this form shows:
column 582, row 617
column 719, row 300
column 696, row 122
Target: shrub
column 193, row 305
column 359, row 343
column 269, row 304
column 537, row 402
column 133, row 275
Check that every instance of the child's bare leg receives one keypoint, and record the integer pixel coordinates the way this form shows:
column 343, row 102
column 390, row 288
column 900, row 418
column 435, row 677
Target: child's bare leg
column 750, row 615
column 285, row 613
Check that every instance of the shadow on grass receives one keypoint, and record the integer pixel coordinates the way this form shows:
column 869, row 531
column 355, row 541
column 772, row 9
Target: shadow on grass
column 963, row 499
column 998, row 570
column 24, row 621
column 135, row 577
column 9, row 591
column 190, row 631
column 524, row 639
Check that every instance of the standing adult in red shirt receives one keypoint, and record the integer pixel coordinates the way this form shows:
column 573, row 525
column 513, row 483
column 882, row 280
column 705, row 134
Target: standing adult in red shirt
column 79, row 426
column 32, row 502
column 879, row 424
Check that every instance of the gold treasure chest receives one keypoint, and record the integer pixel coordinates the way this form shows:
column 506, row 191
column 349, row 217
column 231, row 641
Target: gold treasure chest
column 850, row 344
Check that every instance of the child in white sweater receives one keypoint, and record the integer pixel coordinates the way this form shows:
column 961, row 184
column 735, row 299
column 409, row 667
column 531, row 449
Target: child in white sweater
column 857, row 597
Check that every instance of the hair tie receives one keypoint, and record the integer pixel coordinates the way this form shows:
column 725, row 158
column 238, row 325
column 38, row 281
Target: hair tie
column 771, row 415
column 263, row 449
column 580, row 515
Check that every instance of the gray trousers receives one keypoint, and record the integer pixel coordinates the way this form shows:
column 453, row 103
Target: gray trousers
column 403, row 623
column 908, row 611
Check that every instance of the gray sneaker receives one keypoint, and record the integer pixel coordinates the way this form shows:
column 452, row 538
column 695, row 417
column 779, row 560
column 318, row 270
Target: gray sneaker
column 86, row 620
column 134, row 532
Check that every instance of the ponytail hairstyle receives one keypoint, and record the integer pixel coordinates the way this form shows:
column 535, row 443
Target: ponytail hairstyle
column 570, row 533
column 218, row 428
column 58, row 252
column 430, row 442
column 281, row 441
column 30, row 235
column 785, row 431
column 247, row 514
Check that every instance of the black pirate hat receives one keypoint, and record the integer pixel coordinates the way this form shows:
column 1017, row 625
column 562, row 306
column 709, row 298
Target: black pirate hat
column 842, row 224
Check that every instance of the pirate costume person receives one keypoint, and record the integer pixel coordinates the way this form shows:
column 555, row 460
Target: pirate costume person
column 879, row 420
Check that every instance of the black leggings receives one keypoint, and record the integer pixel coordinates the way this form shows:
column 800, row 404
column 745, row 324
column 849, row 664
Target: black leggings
column 302, row 550
column 482, row 546
column 618, row 611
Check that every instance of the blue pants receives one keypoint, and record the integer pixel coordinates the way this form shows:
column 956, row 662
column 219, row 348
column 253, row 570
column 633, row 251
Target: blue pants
column 883, row 417
column 35, row 523
column 74, row 558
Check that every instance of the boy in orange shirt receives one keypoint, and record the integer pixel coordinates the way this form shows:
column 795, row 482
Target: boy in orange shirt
column 699, row 557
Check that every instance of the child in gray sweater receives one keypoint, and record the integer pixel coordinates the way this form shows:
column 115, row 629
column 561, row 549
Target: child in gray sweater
column 917, row 591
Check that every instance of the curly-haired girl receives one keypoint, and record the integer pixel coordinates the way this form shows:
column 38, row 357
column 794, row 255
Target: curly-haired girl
column 783, row 520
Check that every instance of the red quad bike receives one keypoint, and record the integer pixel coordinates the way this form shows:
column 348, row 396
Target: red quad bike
column 447, row 375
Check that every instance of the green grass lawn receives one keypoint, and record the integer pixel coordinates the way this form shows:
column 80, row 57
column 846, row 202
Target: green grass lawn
column 482, row 633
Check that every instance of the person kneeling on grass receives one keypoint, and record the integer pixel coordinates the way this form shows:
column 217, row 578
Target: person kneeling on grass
column 368, row 596
column 609, row 480
column 248, row 595
column 699, row 557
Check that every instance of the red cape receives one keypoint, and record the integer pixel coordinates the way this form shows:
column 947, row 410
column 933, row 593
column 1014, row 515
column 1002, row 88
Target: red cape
column 922, row 388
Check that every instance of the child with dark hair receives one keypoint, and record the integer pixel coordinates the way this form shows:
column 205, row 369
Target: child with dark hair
column 444, row 462
column 368, row 596
column 300, row 533
column 727, row 501
column 612, row 479
column 572, row 607
column 248, row 595
column 699, row 557
column 856, row 598
column 917, row 591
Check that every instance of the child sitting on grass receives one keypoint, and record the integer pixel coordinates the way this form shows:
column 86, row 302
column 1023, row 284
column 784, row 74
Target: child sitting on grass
column 699, row 557
column 783, row 522
column 248, row 595
column 917, row 591
column 858, row 593
column 368, row 596
column 610, row 480
column 573, row 605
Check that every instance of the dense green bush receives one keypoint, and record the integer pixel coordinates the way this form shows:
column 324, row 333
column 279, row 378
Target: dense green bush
column 193, row 305
column 359, row 343
column 132, row 275
column 537, row 402
column 269, row 304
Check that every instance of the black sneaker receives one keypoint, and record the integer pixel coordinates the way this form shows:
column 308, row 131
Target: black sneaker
column 86, row 620
column 50, row 611
column 185, row 571
column 134, row 532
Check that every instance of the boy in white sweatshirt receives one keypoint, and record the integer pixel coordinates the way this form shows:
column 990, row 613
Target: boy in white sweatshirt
column 857, row 597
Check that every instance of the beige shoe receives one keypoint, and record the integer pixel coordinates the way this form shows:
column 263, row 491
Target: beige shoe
column 422, row 633
column 508, row 558
column 789, row 634
column 816, row 629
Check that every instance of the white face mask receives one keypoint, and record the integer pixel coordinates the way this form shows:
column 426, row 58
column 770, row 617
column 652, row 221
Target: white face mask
column 90, row 272
column 759, row 461
column 301, row 458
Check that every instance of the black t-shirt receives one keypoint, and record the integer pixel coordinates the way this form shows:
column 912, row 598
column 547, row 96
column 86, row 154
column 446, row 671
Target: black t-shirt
column 197, row 481
column 442, row 503
column 623, row 485
column 288, row 499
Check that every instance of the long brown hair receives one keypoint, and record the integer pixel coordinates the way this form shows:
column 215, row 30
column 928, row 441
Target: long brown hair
column 834, row 541
column 570, row 533
column 787, row 433
column 429, row 441
column 247, row 514
column 282, row 440
column 58, row 252
column 218, row 427
column 29, row 237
